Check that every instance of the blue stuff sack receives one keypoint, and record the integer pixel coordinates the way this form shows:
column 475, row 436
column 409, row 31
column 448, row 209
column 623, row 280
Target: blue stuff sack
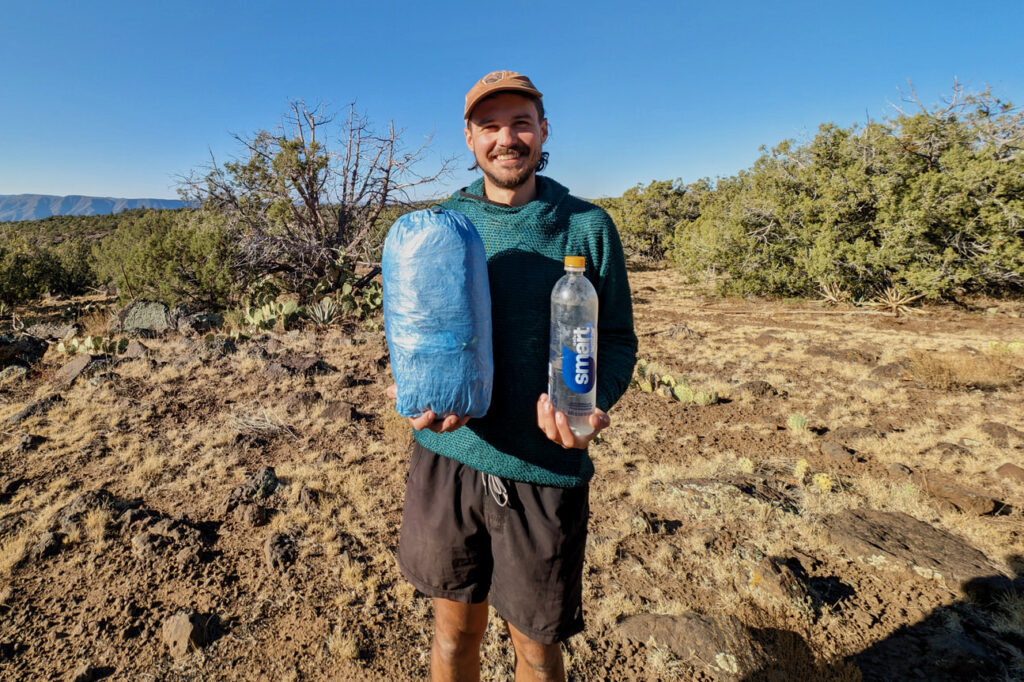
column 437, row 314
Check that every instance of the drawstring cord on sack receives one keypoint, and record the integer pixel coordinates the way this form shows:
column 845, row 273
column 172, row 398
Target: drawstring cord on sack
column 494, row 486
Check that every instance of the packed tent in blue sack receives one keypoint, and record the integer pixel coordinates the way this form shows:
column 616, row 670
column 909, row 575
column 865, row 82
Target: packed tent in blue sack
column 437, row 314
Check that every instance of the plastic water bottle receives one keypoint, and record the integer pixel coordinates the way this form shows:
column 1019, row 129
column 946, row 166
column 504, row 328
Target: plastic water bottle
column 572, row 364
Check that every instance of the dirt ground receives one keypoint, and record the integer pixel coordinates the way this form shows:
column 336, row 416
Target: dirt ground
column 836, row 513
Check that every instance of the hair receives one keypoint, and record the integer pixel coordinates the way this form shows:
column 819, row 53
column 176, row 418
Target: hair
column 543, row 163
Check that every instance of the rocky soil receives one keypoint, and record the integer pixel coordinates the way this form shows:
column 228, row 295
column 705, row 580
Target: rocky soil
column 195, row 507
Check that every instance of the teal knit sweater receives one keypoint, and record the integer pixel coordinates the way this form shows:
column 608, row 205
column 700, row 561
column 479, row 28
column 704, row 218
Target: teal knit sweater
column 525, row 247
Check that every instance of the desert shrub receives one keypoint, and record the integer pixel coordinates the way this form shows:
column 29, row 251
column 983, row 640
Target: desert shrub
column 961, row 370
column 29, row 269
column 930, row 203
column 174, row 257
column 647, row 217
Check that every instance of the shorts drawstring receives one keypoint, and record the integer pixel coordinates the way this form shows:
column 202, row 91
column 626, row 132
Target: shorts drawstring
column 496, row 488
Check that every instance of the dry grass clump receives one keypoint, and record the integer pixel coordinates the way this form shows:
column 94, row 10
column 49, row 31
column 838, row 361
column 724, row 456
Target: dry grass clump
column 342, row 643
column 960, row 370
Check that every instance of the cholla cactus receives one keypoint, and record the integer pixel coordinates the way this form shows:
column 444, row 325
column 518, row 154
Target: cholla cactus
column 823, row 483
column 800, row 470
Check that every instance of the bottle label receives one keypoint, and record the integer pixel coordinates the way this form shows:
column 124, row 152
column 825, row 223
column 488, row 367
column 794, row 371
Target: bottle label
column 578, row 361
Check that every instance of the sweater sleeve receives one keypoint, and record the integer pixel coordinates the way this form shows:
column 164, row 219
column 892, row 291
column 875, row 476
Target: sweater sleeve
column 616, row 340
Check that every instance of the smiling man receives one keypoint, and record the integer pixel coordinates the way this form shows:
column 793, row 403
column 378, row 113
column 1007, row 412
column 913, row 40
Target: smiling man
column 496, row 508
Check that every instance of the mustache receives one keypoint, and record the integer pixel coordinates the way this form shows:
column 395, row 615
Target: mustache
column 520, row 149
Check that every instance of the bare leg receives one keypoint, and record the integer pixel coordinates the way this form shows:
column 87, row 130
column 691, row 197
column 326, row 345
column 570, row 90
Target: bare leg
column 458, row 630
column 536, row 662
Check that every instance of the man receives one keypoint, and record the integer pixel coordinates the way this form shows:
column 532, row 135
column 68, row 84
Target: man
column 496, row 508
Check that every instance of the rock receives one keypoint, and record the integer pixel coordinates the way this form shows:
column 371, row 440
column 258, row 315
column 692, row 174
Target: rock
column 103, row 378
column 947, row 450
column 901, row 470
column 274, row 346
column 48, row 545
column 893, row 370
column 136, row 349
column 897, row 541
column 145, row 318
column 146, row 544
column 279, row 552
column 30, row 442
column 309, row 499
column 836, row 451
column 338, row 412
column 778, row 579
column 720, row 647
column 250, row 514
column 200, row 323
column 37, row 407
column 12, row 374
column 259, row 486
column 757, row 388
column 1011, row 471
column 53, row 332
column 183, row 632
column 307, row 365
column 72, row 514
column 1000, row 433
column 72, row 370
column 24, row 350
column 955, row 497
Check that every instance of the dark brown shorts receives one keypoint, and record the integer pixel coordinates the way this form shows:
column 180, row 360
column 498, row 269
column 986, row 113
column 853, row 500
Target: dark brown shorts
column 458, row 542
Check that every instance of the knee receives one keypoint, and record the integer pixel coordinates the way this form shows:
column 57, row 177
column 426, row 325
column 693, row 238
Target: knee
column 455, row 641
column 544, row 660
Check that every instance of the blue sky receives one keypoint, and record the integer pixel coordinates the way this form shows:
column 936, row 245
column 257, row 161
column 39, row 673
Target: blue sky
column 120, row 98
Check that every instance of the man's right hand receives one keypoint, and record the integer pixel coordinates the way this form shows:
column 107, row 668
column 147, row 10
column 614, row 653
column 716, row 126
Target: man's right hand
column 428, row 420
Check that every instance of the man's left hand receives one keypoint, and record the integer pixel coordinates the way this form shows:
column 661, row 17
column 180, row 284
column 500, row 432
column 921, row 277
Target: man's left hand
column 555, row 424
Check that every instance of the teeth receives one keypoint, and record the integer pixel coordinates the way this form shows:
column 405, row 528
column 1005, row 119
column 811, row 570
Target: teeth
column 506, row 157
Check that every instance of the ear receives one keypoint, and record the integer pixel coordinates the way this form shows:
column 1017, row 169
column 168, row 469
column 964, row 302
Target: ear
column 544, row 131
column 469, row 135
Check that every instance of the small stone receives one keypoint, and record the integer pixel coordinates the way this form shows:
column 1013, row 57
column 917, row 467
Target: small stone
column 836, row 451
column 1000, row 433
column 309, row 499
column 757, row 388
column 30, row 442
column 53, row 332
column 145, row 317
column 85, row 673
column 146, row 544
column 1011, row 471
column 136, row 349
column 182, row 633
column 338, row 412
column 898, row 469
column 71, row 371
column 945, row 450
column 279, row 552
column 251, row 514
column 893, row 370
column 48, row 545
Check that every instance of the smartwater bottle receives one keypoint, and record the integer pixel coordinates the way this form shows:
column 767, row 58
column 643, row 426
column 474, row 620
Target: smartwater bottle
column 572, row 363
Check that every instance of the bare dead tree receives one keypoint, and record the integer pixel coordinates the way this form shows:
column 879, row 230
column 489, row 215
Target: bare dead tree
column 302, row 212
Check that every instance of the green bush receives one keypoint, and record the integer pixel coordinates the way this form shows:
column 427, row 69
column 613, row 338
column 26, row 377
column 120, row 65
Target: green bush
column 29, row 269
column 930, row 203
column 174, row 257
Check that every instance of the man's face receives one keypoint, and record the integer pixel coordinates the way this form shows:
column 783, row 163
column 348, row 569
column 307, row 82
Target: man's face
column 505, row 134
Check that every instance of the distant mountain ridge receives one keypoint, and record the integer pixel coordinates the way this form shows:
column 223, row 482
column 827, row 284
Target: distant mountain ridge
column 39, row 206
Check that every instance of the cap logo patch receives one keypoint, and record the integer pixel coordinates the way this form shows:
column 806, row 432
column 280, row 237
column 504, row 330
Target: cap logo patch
column 493, row 77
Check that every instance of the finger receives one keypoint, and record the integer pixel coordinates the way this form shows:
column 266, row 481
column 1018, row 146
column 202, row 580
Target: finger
column 424, row 420
column 546, row 419
column 462, row 422
column 392, row 391
column 449, row 423
column 566, row 436
column 600, row 420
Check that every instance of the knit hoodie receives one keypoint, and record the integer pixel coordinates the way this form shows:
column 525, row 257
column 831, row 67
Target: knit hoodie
column 525, row 248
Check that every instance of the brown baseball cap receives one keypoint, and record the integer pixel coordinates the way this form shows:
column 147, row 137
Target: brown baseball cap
column 499, row 81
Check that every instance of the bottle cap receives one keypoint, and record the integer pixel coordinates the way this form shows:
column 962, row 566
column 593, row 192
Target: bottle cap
column 575, row 262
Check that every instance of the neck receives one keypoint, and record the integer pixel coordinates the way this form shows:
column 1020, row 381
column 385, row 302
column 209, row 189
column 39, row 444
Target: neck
column 516, row 196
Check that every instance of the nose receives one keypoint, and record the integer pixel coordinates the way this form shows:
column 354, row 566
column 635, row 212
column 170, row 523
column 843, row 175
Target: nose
column 506, row 136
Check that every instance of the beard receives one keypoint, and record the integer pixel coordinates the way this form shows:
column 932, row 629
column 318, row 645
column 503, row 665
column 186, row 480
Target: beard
column 509, row 178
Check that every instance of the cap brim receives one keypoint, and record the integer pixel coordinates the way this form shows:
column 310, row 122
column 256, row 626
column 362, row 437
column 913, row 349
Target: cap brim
column 532, row 92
